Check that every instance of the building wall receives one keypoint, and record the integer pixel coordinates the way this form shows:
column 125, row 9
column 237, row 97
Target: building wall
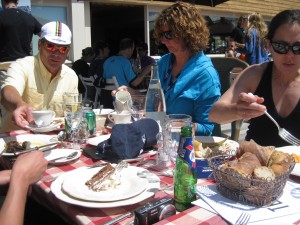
column 79, row 18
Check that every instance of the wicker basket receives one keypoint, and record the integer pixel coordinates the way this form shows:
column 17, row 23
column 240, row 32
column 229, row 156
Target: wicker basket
column 247, row 190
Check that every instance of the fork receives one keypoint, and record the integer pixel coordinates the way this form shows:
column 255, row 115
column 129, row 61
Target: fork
column 243, row 219
column 121, row 165
column 283, row 133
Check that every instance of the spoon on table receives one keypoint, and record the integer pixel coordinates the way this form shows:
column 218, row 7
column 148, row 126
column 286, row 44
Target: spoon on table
column 70, row 156
column 61, row 137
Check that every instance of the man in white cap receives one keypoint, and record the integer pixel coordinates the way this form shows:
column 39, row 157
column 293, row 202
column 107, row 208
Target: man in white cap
column 38, row 82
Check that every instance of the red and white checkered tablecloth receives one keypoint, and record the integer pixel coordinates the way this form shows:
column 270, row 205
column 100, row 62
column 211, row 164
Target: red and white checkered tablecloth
column 90, row 216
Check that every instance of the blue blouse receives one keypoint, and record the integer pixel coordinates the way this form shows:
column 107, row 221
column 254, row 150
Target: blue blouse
column 194, row 92
column 254, row 51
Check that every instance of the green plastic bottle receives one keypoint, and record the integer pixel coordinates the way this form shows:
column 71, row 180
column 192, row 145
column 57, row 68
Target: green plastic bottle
column 185, row 174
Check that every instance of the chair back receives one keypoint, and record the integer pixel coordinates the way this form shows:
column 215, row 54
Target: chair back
column 224, row 66
column 111, row 84
column 89, row 82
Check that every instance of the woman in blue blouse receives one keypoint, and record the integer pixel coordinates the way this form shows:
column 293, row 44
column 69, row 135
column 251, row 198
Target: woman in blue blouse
column 190, row 82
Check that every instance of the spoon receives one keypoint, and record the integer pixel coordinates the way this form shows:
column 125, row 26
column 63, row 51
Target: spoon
column 61, row 137
column 70, row 156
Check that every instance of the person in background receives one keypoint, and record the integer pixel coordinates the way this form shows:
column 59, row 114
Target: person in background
column 101, row 50
column 38, row 82
column 16, row 30
column 255, row 47
column 238, row 33
column 26, row 170
column 146, row 62
column 142, row 50
column 275, row 86
column 120, row 66
column 82, row 66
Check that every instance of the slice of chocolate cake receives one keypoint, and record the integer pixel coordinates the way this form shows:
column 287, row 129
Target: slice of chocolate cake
column 104, row 179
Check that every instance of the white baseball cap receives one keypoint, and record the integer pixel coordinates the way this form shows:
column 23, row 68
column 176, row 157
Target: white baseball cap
column 56, row 32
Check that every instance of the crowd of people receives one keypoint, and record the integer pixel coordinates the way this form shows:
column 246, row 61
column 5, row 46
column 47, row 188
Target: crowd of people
column 189, row 80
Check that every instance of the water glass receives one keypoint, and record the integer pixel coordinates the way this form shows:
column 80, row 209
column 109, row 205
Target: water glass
column 72, row 101
column 172, row 131
column 138, row 107
column 74, row 126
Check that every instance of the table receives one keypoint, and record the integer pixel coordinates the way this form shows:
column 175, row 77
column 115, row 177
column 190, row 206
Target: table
column 89, row 216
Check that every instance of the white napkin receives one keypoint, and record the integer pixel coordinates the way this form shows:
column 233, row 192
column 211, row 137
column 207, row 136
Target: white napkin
column 284, row 211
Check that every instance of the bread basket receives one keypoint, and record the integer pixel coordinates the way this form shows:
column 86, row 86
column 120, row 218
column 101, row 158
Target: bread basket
column 247, row 190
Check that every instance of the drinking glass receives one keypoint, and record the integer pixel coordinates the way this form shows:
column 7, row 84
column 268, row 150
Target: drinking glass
column 138, row 107
column 172, row 131
column 74, row 124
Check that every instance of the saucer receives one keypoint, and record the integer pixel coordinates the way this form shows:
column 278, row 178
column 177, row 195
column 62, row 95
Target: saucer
column 52, row 126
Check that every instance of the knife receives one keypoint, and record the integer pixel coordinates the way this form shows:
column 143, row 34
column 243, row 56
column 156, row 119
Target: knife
column 117, row 219
column 38, row 148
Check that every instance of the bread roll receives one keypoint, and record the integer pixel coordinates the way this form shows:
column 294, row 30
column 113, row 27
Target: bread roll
column 280, row 162
column 263, row 153
column 239, row 172
column 264, row 173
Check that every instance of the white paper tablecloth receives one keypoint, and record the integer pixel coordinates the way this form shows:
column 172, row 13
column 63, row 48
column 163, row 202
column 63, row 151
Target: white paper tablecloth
column 284, row 211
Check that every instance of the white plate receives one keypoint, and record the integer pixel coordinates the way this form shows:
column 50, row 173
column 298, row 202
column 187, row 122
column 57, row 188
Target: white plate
column 50, row 127
column 131, row 185
column 96, row 140
column 290, row 150
column 229, row 146
column 152, row 187
column 35, row 139
column 60, row 152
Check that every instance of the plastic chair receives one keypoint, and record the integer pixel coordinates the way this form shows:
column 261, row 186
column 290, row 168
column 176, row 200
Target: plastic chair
column 224, row 66
column 89, row 82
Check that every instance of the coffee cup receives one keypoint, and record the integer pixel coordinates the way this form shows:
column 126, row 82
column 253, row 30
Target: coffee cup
column 120, row 118
column 43, row 117
column 123, row 101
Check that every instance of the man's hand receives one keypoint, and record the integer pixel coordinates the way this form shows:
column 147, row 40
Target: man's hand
column 22, row 115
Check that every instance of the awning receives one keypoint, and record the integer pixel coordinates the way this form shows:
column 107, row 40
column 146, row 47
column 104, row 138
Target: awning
column 211, row 3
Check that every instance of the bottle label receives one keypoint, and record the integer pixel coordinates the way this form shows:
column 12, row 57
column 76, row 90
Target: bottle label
column 186, row 151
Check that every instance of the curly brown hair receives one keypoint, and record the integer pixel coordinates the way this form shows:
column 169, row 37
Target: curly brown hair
column 186, row 23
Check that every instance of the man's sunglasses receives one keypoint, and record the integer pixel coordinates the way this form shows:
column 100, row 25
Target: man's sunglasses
column 283, row 48
column 52, row 47
column 167, row 35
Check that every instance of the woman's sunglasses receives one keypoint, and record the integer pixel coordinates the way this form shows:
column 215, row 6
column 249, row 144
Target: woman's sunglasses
column 283, row 48
column 167, row 35
column 52, row 47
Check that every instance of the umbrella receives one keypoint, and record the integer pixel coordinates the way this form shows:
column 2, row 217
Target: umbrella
column 211, row 3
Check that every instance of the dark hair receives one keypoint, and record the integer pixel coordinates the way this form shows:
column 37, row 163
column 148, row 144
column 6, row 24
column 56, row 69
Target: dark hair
column 126, row 43
column 284, row 17
column 142, row 45
column 241, row 20
column 86, row 52
column 99, row 45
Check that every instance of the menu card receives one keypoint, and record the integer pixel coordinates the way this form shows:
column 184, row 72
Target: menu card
column 285, row 210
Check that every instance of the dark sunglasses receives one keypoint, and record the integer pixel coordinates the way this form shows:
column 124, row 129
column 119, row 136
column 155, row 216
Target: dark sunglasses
column 167, row 35
column 52, row 47
column 283, row 48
